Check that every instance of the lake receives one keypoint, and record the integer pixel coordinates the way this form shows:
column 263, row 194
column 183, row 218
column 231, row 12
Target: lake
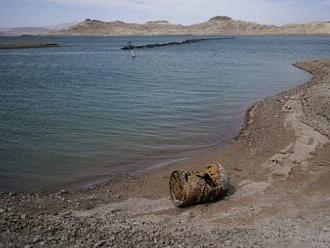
column 89, row 110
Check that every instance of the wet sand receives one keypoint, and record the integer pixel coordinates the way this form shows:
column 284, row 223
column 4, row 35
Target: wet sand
column 279, row 166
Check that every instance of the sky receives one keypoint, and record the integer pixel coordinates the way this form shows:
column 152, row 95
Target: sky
column 20, row 13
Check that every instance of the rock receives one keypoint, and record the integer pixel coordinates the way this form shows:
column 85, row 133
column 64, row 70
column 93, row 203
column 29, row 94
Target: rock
column 36, row 239
column 189, row 215
column 275, row 161
column 42, row 243
column 63, row 191
column 23, row 216
column 99, row 244
column 221, row 18
column 189, row 188
column 113, row 211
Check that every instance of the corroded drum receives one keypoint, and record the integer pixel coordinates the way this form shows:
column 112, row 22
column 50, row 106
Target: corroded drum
column 189, row 188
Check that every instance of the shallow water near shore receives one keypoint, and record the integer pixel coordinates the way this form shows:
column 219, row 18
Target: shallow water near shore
column 87, row 109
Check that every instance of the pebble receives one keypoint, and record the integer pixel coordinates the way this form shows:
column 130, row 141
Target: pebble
column 113, row 211
column 36, row 239
column 99, row 244
column 190, row 215
column 63, row 191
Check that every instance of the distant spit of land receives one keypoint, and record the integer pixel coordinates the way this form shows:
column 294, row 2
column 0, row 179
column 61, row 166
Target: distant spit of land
column 174, row 43
column 18, row 45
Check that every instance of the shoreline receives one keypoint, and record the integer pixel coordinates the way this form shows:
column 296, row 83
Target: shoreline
column 279, row 165
column 94, row 182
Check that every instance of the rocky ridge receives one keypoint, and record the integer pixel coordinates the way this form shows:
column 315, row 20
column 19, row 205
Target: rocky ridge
column 218, row 25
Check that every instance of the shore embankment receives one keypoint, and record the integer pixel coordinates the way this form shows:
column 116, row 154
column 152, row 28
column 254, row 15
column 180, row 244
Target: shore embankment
column 279, row 166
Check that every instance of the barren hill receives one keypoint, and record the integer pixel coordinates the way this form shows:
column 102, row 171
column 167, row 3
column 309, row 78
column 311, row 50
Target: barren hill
column 218, row 25
column 96, row 27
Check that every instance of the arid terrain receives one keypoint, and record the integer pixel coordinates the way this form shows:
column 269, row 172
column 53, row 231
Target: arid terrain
column 279, row 166
column 219, row 25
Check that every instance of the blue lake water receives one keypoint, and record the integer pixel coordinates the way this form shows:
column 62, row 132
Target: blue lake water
column 88, row 110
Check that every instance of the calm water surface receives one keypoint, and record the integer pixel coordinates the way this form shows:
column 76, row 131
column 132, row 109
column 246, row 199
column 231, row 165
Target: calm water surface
column 88, row 109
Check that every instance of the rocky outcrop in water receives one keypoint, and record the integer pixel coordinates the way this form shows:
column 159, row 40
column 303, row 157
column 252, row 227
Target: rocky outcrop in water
column 174, row 43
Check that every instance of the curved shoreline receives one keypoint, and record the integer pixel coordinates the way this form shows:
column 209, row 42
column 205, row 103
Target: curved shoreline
column 280, row 169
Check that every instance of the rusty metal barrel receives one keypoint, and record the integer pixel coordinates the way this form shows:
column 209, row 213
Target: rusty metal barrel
column 189, row 188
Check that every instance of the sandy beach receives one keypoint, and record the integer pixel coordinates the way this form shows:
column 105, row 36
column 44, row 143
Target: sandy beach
column 279, row 166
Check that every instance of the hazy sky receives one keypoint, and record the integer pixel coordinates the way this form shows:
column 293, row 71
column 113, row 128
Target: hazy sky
column 50, row 12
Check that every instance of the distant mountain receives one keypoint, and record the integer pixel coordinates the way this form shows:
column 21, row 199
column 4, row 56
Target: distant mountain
column 218, row 25
column 24, row 30
column 96, row 27
column 35, row 30
column 61, row 26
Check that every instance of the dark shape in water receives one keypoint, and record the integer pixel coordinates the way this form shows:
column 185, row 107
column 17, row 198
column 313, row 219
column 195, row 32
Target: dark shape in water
column 21, row 45
column 174, row 43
